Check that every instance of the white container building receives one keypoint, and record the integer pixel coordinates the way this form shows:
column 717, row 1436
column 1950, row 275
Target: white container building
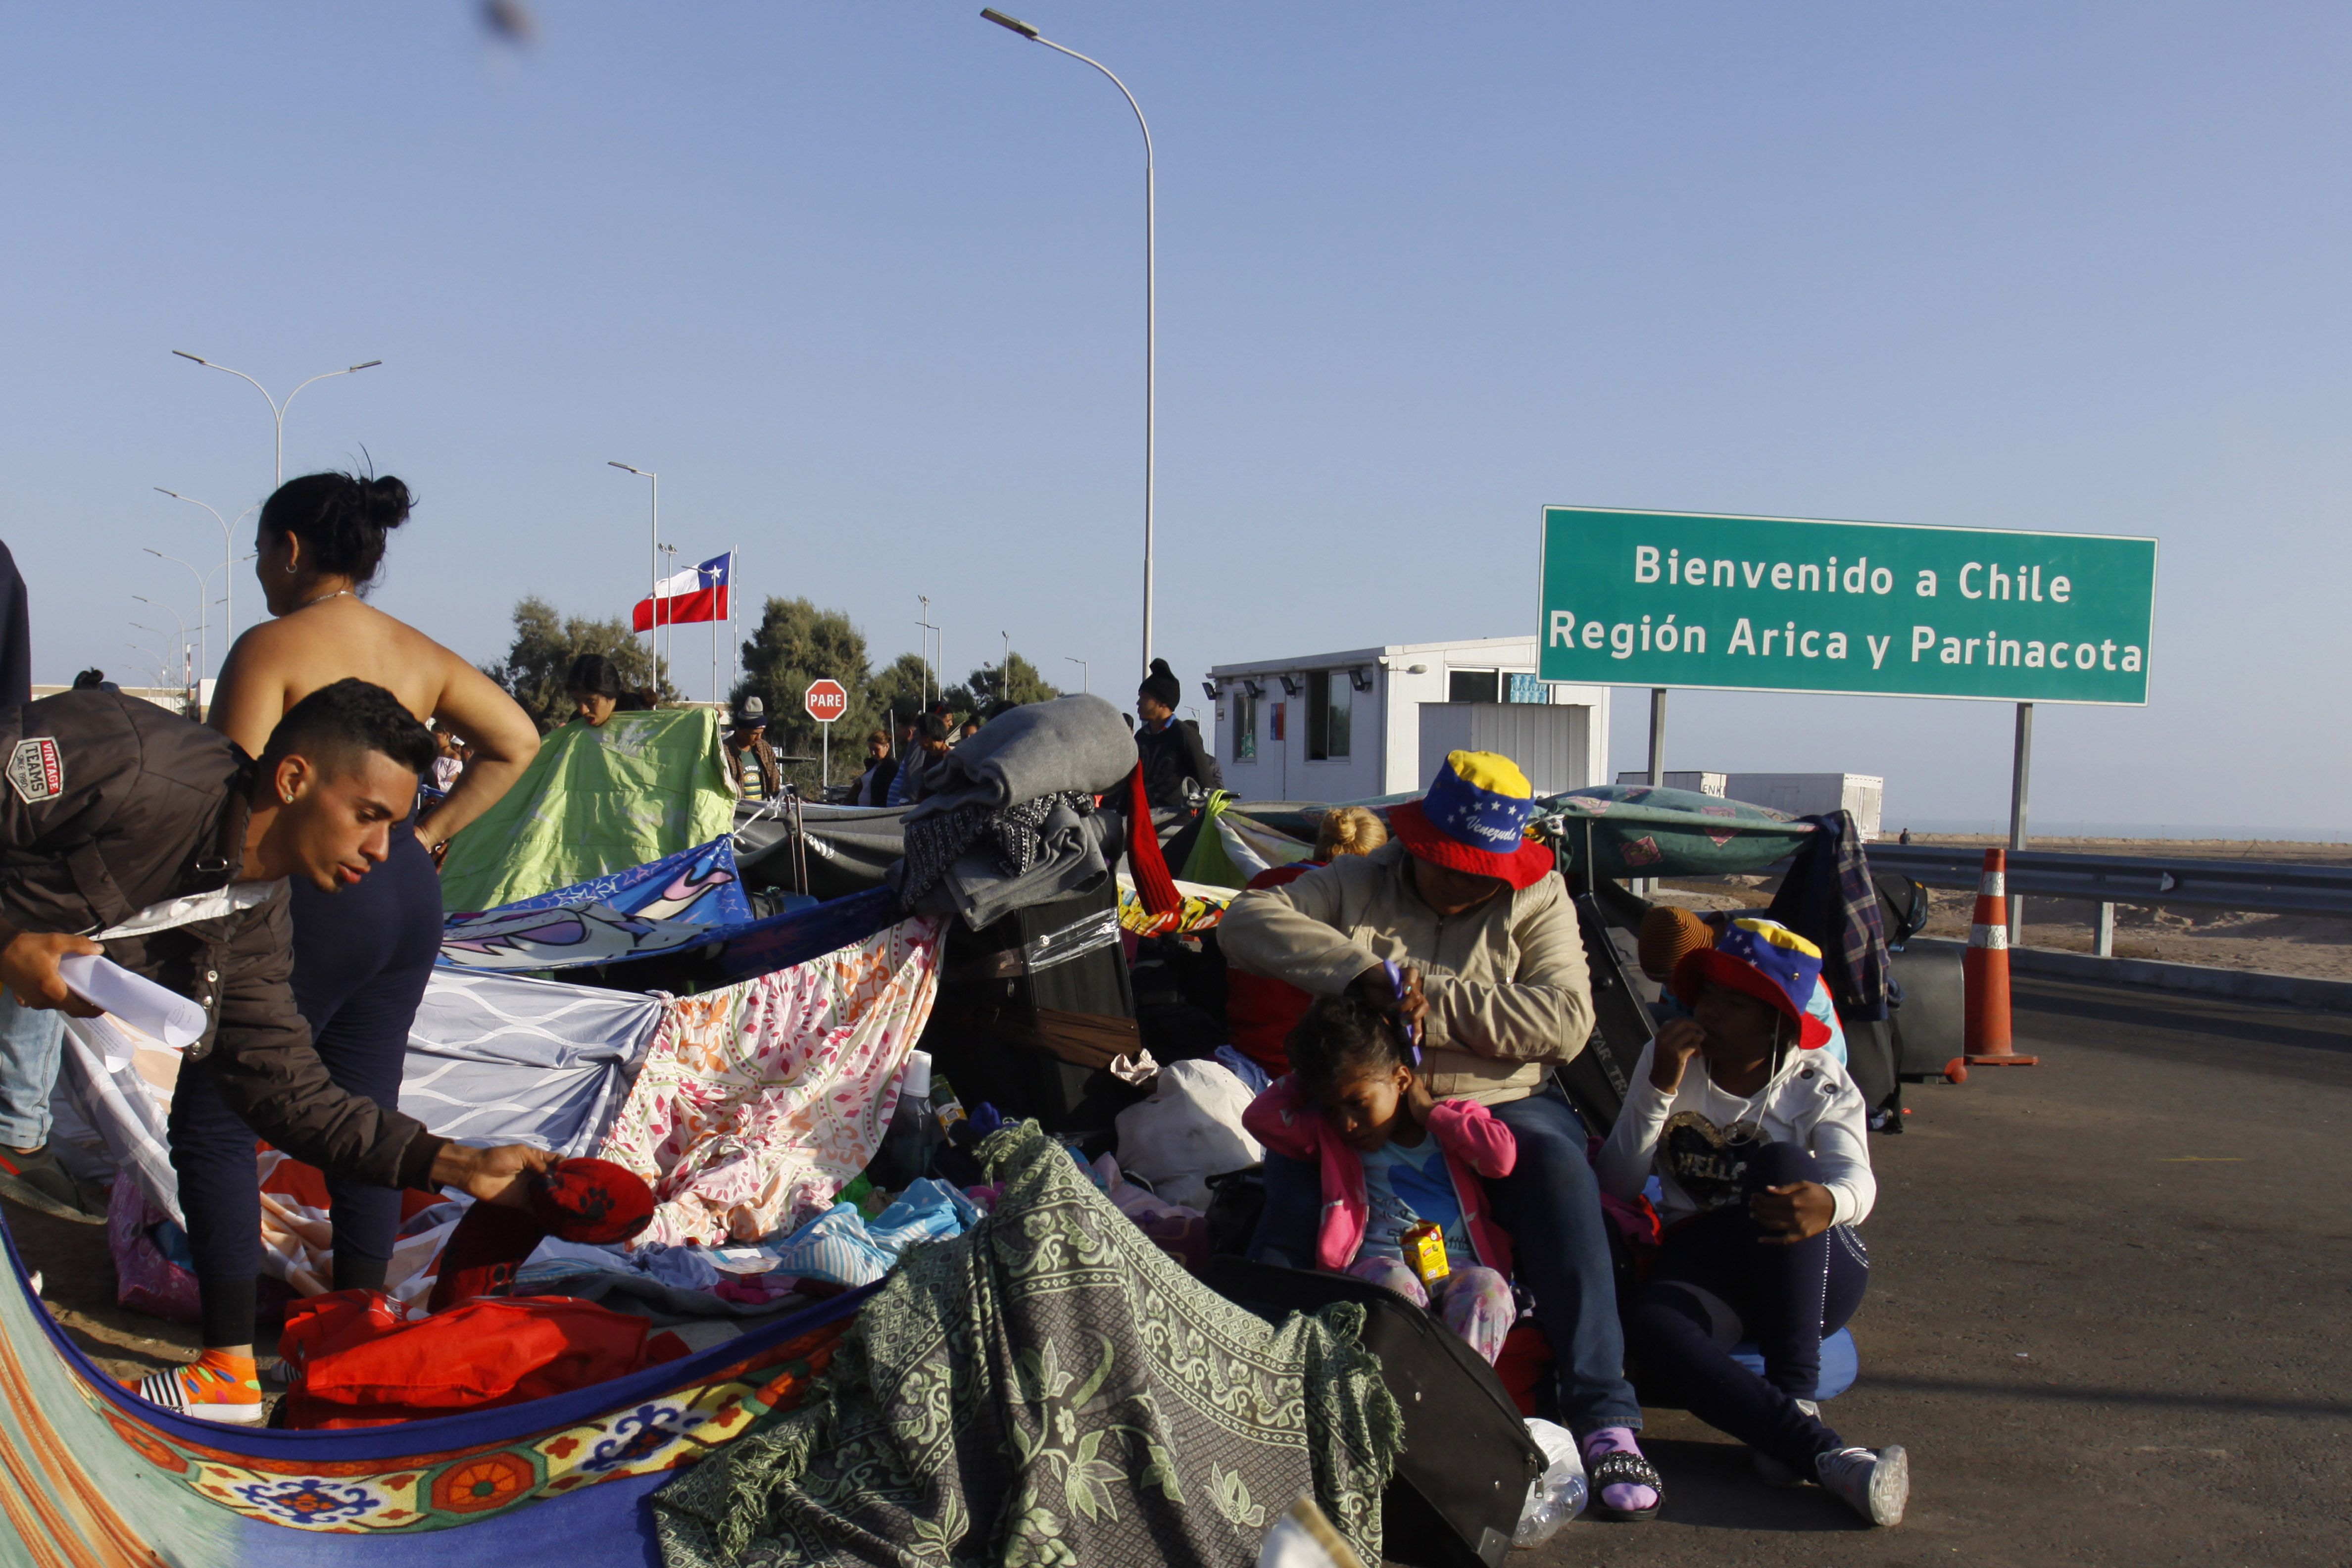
column 1371, row 722
column 1799, row 795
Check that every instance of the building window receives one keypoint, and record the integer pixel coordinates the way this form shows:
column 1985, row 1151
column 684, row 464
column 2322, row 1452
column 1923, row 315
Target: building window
column 1526, row 687
column 1244, row 727
column 1329, row 712
column 1473, row 686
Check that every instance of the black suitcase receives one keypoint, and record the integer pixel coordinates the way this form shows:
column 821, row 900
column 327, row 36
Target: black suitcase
column 1462, row 1478
column 1930, row 1026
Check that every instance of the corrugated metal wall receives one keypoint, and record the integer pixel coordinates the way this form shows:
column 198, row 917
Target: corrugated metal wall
column 1552, row 744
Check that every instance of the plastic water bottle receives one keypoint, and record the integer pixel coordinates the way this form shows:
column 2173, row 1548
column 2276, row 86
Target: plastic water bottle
column 1555, row 1496
column 906, row 1154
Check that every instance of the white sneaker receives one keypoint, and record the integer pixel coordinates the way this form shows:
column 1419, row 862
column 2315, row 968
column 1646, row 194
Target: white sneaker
column 1771, row 1471
column 1874, row 1484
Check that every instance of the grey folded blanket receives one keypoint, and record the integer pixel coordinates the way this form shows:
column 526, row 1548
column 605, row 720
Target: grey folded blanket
column 1038, row 749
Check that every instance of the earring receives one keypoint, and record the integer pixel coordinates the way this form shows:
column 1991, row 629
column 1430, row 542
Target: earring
column 288, row 796
column 290, row 569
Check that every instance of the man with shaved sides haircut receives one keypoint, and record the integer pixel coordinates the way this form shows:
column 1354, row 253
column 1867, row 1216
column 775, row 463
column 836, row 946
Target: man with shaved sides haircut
column 127, row 831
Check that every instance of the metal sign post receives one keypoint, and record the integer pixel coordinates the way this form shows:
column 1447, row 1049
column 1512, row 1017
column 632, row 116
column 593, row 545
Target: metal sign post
column 826, row 700
column 2021, row 768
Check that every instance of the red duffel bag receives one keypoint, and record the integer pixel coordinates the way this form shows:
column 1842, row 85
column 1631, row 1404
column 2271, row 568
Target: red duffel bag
column 357, row 1357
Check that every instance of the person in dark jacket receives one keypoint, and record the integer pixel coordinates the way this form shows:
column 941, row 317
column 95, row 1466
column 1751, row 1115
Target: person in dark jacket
column 128, row 832
column 31, row 1041
column 1169, row 748
column 873, row 786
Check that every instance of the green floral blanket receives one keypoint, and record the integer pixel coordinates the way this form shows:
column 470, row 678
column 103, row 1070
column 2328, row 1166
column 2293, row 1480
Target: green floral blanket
column 1051, row 1388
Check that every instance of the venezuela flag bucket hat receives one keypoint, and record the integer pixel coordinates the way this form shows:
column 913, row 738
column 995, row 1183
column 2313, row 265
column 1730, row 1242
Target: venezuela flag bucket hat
column 1762, row 959
column 1475, row 819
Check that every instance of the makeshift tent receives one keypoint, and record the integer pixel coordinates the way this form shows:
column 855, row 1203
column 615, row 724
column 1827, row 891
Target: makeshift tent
column 635, row 790
column 89, row 1474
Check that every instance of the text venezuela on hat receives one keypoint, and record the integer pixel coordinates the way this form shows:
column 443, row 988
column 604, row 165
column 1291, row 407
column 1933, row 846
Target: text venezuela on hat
column 1475, row 819
column 1762, row 959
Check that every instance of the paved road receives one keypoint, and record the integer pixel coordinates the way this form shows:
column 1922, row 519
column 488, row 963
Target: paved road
column 2108, row 1314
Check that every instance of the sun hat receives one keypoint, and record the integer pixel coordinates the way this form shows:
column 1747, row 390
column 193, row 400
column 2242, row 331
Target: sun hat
column 1762, row 959
column 1666, row 935
column 1474, row 818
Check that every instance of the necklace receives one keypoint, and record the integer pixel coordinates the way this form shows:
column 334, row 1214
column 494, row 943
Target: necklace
column 338, row 594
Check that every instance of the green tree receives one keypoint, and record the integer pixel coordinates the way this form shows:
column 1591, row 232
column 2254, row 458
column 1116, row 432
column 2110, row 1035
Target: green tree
column 545, row 643
column 796, row 644
column 902, row 686
column 1016, row 681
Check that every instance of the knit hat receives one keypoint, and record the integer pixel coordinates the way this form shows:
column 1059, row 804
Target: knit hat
column 1162, row 685
column 1762, row 959
column 1475, row 819
column 752, row 715
column 1666, row 935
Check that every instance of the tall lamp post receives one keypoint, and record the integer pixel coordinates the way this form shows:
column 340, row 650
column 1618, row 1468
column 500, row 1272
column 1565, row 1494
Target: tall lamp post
column 204, row 633
column 1086, row 672
column 228, row 556
column 670, row 570
column 1150, row 297
column 652, row 566
column 277, row 409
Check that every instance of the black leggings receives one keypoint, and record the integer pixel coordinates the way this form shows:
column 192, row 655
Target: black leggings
column 362, row 956
column 1715, row 1284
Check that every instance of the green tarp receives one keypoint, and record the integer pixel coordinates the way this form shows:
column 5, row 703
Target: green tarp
column 592, row 801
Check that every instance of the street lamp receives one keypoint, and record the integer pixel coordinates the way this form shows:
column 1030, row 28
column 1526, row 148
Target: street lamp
column 653, row 563
column 1150, row 297
column 277, row 409
column 204, row 633
column 1085, row 672
column 670, row 570
column 939, row 669
column 228, row 556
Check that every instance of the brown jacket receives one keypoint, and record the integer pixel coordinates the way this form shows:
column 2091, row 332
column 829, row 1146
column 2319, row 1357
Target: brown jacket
column 111, row 805
column 1508, row 991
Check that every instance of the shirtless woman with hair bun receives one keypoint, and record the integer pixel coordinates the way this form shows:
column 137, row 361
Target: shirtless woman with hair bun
column 361, row 955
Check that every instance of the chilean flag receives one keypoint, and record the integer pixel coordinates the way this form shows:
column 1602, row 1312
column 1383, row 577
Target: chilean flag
column 697, row 594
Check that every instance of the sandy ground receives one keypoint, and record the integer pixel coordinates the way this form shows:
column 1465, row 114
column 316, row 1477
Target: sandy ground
column 2226, row 939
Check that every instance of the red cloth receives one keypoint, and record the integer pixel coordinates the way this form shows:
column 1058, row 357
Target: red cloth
column 1261, row 1011
column 1153, row 884
column 1475, row 1143
column 591, row 1201
column 357, row 1357
column 1527, row 1353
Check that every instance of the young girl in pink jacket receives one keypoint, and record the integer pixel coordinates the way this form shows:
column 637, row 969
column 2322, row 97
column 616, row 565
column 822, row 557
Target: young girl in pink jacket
column 1393, row 1157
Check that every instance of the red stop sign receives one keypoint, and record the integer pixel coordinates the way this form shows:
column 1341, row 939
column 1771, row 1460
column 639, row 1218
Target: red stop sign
column 827, row 701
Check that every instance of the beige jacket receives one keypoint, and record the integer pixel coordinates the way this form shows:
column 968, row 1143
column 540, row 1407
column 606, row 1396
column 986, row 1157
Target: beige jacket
column 1508, row 991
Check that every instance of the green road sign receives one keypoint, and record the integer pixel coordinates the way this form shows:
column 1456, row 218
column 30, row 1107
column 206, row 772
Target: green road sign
column 1777, row 603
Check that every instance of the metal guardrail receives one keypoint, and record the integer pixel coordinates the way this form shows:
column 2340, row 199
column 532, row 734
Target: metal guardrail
column 2279, row 888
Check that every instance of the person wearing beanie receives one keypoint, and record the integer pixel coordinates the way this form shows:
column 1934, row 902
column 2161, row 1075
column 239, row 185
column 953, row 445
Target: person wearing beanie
column 750, row 760
column 1668, row 933
column 1759, row 1145
column 1177, row 768
column 1480, row 931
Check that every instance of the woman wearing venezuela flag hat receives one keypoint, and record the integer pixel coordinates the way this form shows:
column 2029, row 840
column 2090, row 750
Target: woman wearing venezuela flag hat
column 1484, row 935
column 1757, row 1137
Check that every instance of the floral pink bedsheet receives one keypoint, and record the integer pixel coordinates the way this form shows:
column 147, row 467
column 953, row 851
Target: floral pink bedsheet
column 756, row 1103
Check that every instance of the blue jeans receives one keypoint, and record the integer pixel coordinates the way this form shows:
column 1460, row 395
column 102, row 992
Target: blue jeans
column 1550, row 1206
column 32, row 1042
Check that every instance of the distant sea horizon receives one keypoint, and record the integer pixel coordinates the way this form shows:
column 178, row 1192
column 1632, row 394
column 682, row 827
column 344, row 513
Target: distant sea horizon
column 2061, row 828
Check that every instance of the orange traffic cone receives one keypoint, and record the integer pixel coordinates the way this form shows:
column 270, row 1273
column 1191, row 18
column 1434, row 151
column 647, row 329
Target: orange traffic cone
column 1984, row 969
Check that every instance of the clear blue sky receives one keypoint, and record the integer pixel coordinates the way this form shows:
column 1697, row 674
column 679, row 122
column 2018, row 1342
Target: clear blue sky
column 863, row 283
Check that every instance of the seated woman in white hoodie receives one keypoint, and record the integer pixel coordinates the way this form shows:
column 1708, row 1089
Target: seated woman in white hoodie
column 1758, row 1142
